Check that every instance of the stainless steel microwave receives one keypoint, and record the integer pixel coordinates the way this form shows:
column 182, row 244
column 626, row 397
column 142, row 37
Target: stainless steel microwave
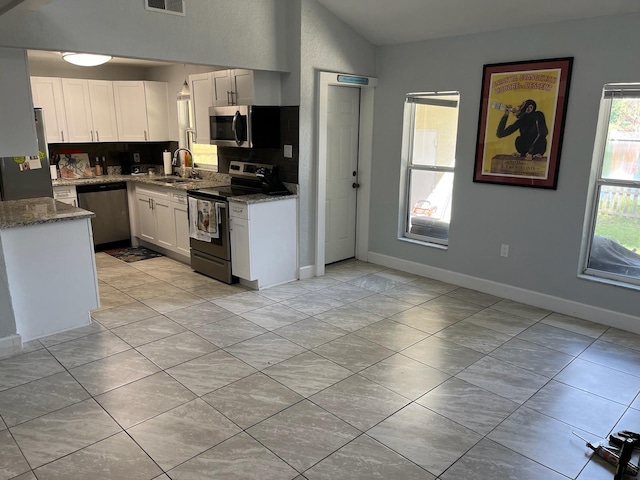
column 245, row 126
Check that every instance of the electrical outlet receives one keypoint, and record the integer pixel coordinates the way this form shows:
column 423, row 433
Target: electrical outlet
column 288, row 151
column 504, row 250
column 136, row 158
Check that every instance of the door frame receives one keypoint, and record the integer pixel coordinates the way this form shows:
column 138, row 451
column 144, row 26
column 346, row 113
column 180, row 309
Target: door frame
column 365, row 151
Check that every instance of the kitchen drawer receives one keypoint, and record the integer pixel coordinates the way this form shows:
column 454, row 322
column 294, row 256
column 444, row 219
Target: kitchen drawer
column 180, row 198
column 64, row 192
column 211, row 266
column 239, row 210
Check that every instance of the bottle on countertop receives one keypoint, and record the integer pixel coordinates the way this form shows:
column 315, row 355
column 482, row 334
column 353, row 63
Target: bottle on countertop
column 104, row 166
column 98, row 167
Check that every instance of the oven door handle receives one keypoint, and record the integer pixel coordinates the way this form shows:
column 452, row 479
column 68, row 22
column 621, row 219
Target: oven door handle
column 234, row 127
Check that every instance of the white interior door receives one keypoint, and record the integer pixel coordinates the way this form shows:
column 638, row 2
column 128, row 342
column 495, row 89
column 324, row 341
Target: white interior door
column 342, row 166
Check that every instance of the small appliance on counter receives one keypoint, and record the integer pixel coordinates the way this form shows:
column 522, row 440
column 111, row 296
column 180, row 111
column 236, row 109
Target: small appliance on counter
column 27, row 177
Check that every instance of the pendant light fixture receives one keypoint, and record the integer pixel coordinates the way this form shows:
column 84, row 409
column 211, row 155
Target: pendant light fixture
column 85, row 59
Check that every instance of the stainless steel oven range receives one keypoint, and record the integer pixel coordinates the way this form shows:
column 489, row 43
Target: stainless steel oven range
column 214, row 258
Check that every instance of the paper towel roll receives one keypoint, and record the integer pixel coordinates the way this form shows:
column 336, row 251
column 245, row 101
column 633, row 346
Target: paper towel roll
column 166, row 159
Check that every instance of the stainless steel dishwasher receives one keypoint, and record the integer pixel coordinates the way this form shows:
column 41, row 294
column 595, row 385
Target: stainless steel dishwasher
column 109, row 203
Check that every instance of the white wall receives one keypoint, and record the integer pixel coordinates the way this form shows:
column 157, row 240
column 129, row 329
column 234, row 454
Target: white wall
column 327, row 44
column 234, row 33
column 542, row 227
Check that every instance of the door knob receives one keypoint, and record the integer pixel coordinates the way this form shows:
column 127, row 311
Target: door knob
column 355, row 185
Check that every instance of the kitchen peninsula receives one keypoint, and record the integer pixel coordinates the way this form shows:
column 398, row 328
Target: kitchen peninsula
column 48, row 278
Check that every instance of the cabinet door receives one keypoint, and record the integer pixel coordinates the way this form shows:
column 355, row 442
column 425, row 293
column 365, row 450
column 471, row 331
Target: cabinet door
column 47, row 94
column 146, row 218
column 78, row 110
column 181, row 224
column 201, row 99
column 242, row 83
column 240, row 248
column 156, row 101
column 222, row 88
column 166, row 233
column 131, row 111
column 103, row 111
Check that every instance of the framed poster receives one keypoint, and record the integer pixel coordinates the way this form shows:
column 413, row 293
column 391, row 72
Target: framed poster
column 522, row 113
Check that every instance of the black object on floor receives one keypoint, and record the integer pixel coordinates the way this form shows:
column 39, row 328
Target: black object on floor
column 133, row 254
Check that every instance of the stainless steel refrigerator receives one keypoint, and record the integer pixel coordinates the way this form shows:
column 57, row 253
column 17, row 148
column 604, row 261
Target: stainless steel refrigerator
column 27, row 177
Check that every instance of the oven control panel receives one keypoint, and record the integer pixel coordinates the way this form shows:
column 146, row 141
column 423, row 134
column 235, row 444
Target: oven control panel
column 247, row 169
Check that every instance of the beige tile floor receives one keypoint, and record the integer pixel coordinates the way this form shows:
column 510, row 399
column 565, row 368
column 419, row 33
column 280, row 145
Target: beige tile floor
column 363, row 373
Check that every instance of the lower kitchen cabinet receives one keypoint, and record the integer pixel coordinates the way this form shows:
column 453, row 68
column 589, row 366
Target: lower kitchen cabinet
column 263, row 241
column 179, row 207
column 155, row 222
column 162, row 219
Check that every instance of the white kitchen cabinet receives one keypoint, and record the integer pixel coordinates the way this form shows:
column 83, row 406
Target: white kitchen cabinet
column 47, row 94
column 180, row 215
column 103, row 110
column 263, row 241
column 77, row 107
column 142, row 111
column 154, row 216
column 246, row 87
column 66, row 194
column 201, row 86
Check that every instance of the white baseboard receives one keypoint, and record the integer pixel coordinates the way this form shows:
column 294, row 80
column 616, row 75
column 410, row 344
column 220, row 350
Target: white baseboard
column 529, row 297
column 10, row 345
column 307, row 272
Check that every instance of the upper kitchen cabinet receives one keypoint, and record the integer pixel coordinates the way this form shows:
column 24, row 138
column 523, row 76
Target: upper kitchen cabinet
column 47, row 94
column 201, row 85
column 103, row 110
column 142, row 111
column 245, row 87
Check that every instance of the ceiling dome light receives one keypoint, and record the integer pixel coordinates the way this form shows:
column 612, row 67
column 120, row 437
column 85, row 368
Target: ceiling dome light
column 85, row 59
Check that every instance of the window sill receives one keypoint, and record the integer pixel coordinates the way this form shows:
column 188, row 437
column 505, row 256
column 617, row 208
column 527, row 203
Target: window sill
column 608, row 281
column 424, row 243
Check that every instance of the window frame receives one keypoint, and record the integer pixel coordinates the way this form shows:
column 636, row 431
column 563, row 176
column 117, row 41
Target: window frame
column 597, row 182
column 408, row 135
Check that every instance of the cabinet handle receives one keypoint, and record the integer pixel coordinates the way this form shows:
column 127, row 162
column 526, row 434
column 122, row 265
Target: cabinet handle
column 145, row 136
column 62, row 135
column 228, row 97
column 230, row 224
column 149, row 202
column 233, row 101
column 92, row 135
column 97, row 136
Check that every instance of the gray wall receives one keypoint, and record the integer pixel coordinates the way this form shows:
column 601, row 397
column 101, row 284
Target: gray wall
column 233, row 33
column 542, row 227
column 327, row 44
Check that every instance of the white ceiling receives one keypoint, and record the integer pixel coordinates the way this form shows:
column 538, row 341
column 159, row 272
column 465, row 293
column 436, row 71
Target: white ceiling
column 389, row 22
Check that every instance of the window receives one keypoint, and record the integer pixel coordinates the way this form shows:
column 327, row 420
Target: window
column 205, row 156
column 614, row 229
column 429, row 147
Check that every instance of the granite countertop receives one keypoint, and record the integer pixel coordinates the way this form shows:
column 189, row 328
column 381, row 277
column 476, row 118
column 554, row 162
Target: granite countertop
column 260, row 198
column 34, row 211
column 156, row 180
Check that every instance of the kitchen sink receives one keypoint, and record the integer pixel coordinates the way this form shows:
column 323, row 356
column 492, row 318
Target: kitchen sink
column 175, row 180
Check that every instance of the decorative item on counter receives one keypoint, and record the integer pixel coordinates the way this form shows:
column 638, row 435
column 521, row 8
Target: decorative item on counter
column 166, row 160
column 75, row 165
column 54, row 172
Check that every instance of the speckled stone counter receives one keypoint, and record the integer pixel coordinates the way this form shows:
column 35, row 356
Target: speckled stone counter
column 260, row 198
column 157, row 180
column 34, row 211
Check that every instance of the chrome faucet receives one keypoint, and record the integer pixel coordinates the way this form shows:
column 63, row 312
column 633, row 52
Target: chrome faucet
column 194, row 174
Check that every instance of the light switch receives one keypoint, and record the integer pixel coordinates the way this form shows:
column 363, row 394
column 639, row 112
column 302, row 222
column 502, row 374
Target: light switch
column 288, row 151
